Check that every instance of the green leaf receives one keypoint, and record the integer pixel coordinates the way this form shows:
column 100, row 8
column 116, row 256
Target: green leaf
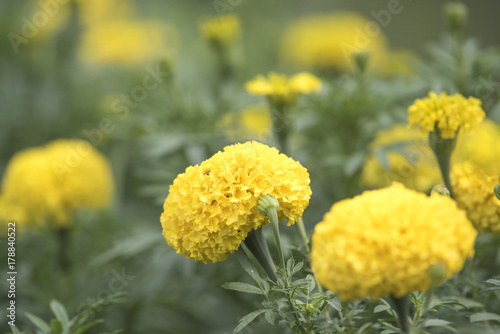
column 493, row 281
column 248, row 319
column 435, row 323
column 247, row 266
column 14, row 330
column 381, row 308
column 86, row 327
column 242, row 287
column 484, row 316
column 39, row 323
column 269, row 315
column 336, row 304
column 60, row 313
column 56, row 326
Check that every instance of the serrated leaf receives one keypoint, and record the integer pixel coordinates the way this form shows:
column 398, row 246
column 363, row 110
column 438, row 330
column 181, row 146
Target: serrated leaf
column 243, row 287
column 60, row 313
column 297, row 268
column 269, row 315
column 39, row 323
column 247, row 319
column 247, row 265
column 335, row 303
column 435, row 323
column 468, row 303
column 484, row 316
column 493, row 281
column 381, row 308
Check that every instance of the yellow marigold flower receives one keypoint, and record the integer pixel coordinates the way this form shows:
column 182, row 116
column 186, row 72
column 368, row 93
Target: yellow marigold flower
column 383, row 242
column 480, row 147
column 282, row 90
column 96, row 11
column 473, row 189
column 212, row 207
column 51, row 182
column 126, row 42
column 403, row 155
column 448, row 113
column 253, row 122
column 220, row 29
column 329, row 41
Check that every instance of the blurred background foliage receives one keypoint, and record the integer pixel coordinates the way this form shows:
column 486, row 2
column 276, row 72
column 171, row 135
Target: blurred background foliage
column 76, row 75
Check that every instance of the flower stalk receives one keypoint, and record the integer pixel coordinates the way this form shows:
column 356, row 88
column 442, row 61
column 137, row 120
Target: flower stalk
column 443, row 148
column 402, row 307
column 268, row 206
column 257, row 245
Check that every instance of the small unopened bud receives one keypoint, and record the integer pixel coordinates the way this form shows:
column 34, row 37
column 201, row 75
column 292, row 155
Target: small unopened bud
column 437, row 273
column 497, row 191
column 267, row 203
column 455, row 15
column 361, row 61
column 441, row 190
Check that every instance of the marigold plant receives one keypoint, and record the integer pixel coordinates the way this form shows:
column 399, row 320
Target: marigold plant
column 448, row 113
column 473, row 190
column 51, row 182
column 383, row 242
column 212, row 207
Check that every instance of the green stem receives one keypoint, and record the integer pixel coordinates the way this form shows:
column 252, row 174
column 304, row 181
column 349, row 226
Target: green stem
column 62, row 236
column 443, row 148
column 444, row 162
column 281, row 128
column 402, row 310
column 273, row 217
column 257, row 245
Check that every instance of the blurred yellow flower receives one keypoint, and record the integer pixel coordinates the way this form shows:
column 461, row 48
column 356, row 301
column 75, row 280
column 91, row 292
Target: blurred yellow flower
column 127, row 42
column 280, row 89
column 448, row 113
column 212, row 207
column 473, row 191
column 253, row 122
column 480, row 147
column 403, row 155
column 329, row 41
column 221, row 29
column 49, row 183
column 383, row 242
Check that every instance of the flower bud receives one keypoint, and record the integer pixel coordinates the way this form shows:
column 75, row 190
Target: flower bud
column 361, row 61
column 441, row 190
column 455, row 15
column 497, row 191
column 267, row 203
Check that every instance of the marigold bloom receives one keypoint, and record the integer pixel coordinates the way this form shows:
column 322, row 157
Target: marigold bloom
column 221, row 29
column 448, row 113
column 383, row 242
column 253, row 122
column 473, row 189
column 127, row 42
column 328, row 41
column 212, row 207
column 49, row 183
column 283, row 90
column 480, row 147
column 403, row 155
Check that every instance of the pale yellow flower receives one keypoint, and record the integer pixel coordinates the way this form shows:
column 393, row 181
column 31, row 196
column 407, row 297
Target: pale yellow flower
column 253, row 122
column 221, row 29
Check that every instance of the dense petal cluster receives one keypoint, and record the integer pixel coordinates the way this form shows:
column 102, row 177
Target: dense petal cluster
column 480, row 147
column 221, row 29
column 328, row 41
column 383, row 242
column 127, row 41
column 252, row 122
column 448, row 113
column 51, row 182
column 283, row 90
column 402, row 155
column 473, row 189
column 212, row 207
